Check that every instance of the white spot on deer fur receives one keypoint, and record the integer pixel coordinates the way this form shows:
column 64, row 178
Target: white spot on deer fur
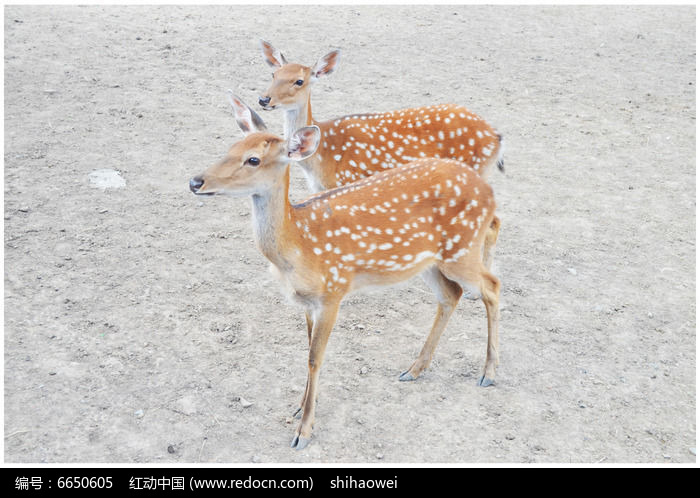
column 337, row 157
column 457, row 255
column 317, row 250
column 334, row 271
column 407, row 257
column 385, row 246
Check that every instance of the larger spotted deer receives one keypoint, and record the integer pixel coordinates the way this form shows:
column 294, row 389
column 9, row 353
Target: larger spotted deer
column 359, row 145
column 429, row 217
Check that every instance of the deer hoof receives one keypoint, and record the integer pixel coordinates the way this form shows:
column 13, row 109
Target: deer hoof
column 485, row 381
column 299, row 442
column 297, row 413
column 407, row 376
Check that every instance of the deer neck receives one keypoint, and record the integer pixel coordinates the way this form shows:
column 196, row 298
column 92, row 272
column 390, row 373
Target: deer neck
column 272, row 222
column 293, row 120
column 297, row 117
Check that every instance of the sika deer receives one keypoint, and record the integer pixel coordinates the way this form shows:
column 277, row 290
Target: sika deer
column 429, row 217
column 359, row 145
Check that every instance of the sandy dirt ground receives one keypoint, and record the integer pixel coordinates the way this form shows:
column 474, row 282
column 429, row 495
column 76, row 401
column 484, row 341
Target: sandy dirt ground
column 142, row 325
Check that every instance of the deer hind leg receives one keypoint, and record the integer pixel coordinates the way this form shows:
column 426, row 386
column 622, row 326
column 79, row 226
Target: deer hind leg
column 321, row 331
column 490, row 241
column 479, row 282
column 490, row 295
column 448, row 294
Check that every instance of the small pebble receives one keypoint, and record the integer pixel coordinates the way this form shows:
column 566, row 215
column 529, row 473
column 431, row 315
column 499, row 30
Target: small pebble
column 138, row 413
column 363, row 370
column 245, row 403
column 380, row 456
column 171, row 449
column 573, row 271
column 692, row 450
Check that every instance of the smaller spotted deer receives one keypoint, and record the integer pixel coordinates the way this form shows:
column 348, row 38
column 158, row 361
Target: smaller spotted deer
column 429, row 217
column 359, row 145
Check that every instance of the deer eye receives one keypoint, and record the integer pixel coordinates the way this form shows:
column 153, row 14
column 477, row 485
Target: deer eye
column 253, row 161
column 299, row 82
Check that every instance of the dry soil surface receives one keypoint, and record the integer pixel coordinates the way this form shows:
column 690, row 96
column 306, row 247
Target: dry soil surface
column 142, row 325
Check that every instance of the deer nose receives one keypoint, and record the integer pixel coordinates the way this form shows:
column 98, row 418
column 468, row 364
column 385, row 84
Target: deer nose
column 264, row 101
column 196, row 183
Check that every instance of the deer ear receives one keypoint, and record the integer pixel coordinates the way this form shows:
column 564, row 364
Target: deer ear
column 326, row 64
column 247, row 119
column 303, row 143
column 271, row 55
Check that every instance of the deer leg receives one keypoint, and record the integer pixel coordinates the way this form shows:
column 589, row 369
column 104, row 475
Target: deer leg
column 309, row 328
column 322, row 326
column 448, row 294
column 490, row 294
column 476, row 280
column 490, row 241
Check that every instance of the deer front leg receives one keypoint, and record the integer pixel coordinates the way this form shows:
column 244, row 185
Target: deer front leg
column 322, row 326
column 309, row 329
